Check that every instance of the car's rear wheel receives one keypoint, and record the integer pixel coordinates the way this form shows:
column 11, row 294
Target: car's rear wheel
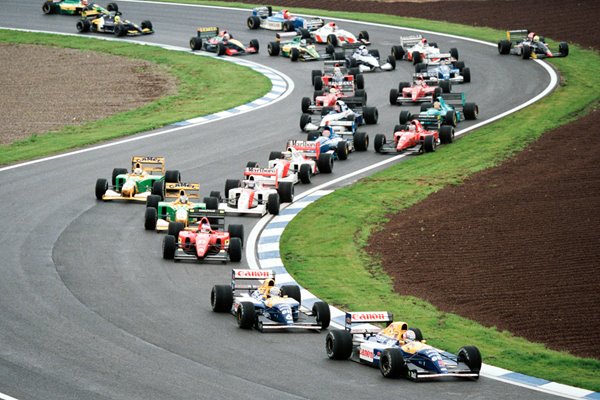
column 150, row 218
column 235, row 249
column 221, row 49
column 341, row 149
column 273, row 204
column 158, row 189
column 211, row 203
column 371, row 115
column 112, row 7
column 196, row 43
column 504, row 47
column 231, row 184
column 361, row 141
column 292, row 291
column 446, row 86
column 286, row 192
column 145, row 24
column 273, row 48
column 305, row 105
column 325, row 163
column 471, row 110
column 221, row 298
column 253, row 22
column 305, row 173
column 115, row 173
column 47, row 8
column 563, row 48
column 416, row 57
column 174, row 229
column 398, row 52
column 466, row 73
column 236, row 231
column 405, row 117
column 83, row 26
column 254, row 43
column 172, row 176
column 332, row 40
column 305, row 119
column 359, row 80
column 275, row 155
column 446, row 134
column 120, row 30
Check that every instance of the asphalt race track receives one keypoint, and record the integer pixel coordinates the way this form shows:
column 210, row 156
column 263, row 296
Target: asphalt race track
column 90, row 310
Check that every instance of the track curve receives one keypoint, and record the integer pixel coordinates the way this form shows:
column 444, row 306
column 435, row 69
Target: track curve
column 90, row 310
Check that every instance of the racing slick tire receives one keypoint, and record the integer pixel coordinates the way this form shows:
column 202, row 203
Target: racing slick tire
column 379, row 142
column 471, row 356
column 405, row 117
column 236, row 231
column 150, row 218
column 354, row 71
column 273, row 48
column 371, row 115
column 361, row 141
column 466, row 73
column 304, row 120
column 196, row 43
column 341, row 149
column 339, row 55
column 434, row 44
column 437, row 92
column 245, row 315
column 359, row 81
column 426, row 106
column 221, row 298
column 294, row 54
column 169, row 247
column 446, row 134
column 450, row 118
column 418, row 333
column 361, row 95
column 152, row 201
column 471, row 110
column 504, row 47
column 326, row 110
column 112, row 7
column 313, row 135
column 145, row 24
column 392, row 363
column 117, row 171
column 253, row 22
column 446, row 85
column 275, row 155
column 174, row 229
column 325, row 163
column 394, row 97
column 318, row 83
column 304, row 33
column 398, row 128
column 305, row 105
column 317, row 93
column 231, row 184
column 251, row 164
column 375, row 53
column 305, row 173
column 398, row 52
column 158, row 189
column 526, row 53
column 403, row 85
column 454, row 53
column 363, row 35
column 286, row 192
column 221, row 49
column 332, row 40
column 292, row 291
column 83, row 26
column 235, row 249
column 416, row 57
column 216, row 194
column 420, row 68
column 392, row 61
column 212, row 203
column 172, row 176
column 322, row 313
column 330, row 49
column 338, row 344
column 273, row 204
column 120, row 30
column 429, row 144
column 47, row 8
column 563, row 48
column 101, row 188
column 353, row 63
column 288, row 26
column 254, row 43
column 314, row 73
column 459, row 65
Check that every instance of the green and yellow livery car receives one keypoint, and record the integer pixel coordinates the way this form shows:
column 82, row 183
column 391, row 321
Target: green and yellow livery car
column 298, row 48
column 76, row 7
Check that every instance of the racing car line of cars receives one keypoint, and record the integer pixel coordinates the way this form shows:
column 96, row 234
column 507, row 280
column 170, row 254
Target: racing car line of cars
column 196, row 230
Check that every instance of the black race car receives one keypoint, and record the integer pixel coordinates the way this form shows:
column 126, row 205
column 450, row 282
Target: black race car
column 113, row 23
column 529, row 44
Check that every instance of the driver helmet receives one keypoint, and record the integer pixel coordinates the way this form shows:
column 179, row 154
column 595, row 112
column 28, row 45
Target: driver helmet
column 274, row 291
column 409, row 336
column 341, row 106
column 536, row 38
column 84, row 3
column 183, row 199
column 138, row 169
column 286, row 14
column 423, row 41
column 303, row 42
column 412, row 127
column 226, row 35
column 117, row 19
column 337, row 71
column 363, row 50
column 333, row 26
column 437, row 105
column 251, row 184
column 327, row 131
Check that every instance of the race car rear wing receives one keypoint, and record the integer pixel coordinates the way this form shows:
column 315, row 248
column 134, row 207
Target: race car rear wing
column 264, row 175
column 285, row 36
column 308, row 149
column 191, row 190
column 409, row 41
column 454, row 99
column 208, row 32
column 437, row 58
column 263, row 11
column 216, row 218
column 517, row 35
column 149, row 164
column 329, row 65
column 250, row 277
column 360, row 322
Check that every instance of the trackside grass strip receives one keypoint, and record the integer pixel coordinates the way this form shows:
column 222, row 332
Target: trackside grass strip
column 350, row 279
column 200, row 80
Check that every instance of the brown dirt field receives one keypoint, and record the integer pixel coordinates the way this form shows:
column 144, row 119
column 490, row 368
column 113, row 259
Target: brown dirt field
column 45, row 89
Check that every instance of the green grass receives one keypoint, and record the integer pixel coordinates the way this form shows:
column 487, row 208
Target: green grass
column 200, row 80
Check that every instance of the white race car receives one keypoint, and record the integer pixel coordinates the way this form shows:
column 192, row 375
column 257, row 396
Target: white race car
column 416, row 49
column 368, row 61
column 330, row 33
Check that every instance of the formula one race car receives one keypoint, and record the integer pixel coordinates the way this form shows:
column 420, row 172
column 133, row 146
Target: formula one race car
column 369, row 61
column 418, row 92
column 398, row 350
column 183, row 210
column 76, row 7
column 221, row 42
column 444, row 69
column 267, row 307
column 341, row 118
column 264, row 17
column 416, row 48
column 258, row 193
column 449, row 109
column 341, row 142
column 412, row 135
column 209, row 241
column 330, row 33
column 113, row 23
column 336, row 75
column 529, row 44
column 147, row 177
column 302, row 159
column 326, row 101
column 297, row 48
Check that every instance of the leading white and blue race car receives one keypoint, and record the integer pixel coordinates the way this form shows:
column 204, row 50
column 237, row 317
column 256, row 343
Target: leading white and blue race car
column 267, row 307
column 397, row 350
column 264, row 17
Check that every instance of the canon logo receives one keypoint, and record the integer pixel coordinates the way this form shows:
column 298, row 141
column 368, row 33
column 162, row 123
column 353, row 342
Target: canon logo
column 369, row 316
column 251, row 273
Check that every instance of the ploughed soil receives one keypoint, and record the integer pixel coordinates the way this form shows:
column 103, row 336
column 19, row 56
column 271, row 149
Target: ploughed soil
column 516, row 247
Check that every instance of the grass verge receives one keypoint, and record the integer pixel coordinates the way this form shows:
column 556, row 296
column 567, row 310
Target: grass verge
column 200, row 80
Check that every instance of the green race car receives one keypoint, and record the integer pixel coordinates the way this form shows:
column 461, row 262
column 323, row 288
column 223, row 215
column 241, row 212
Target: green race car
column 298, row 47
column 182, row 211
column 147, row 177
column 76, row 7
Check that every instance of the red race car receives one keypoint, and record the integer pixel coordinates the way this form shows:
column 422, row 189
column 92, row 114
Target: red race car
column 208, row 242
column 335, row 74
column 412, row 135
column 418, row 92
column 325, row 101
